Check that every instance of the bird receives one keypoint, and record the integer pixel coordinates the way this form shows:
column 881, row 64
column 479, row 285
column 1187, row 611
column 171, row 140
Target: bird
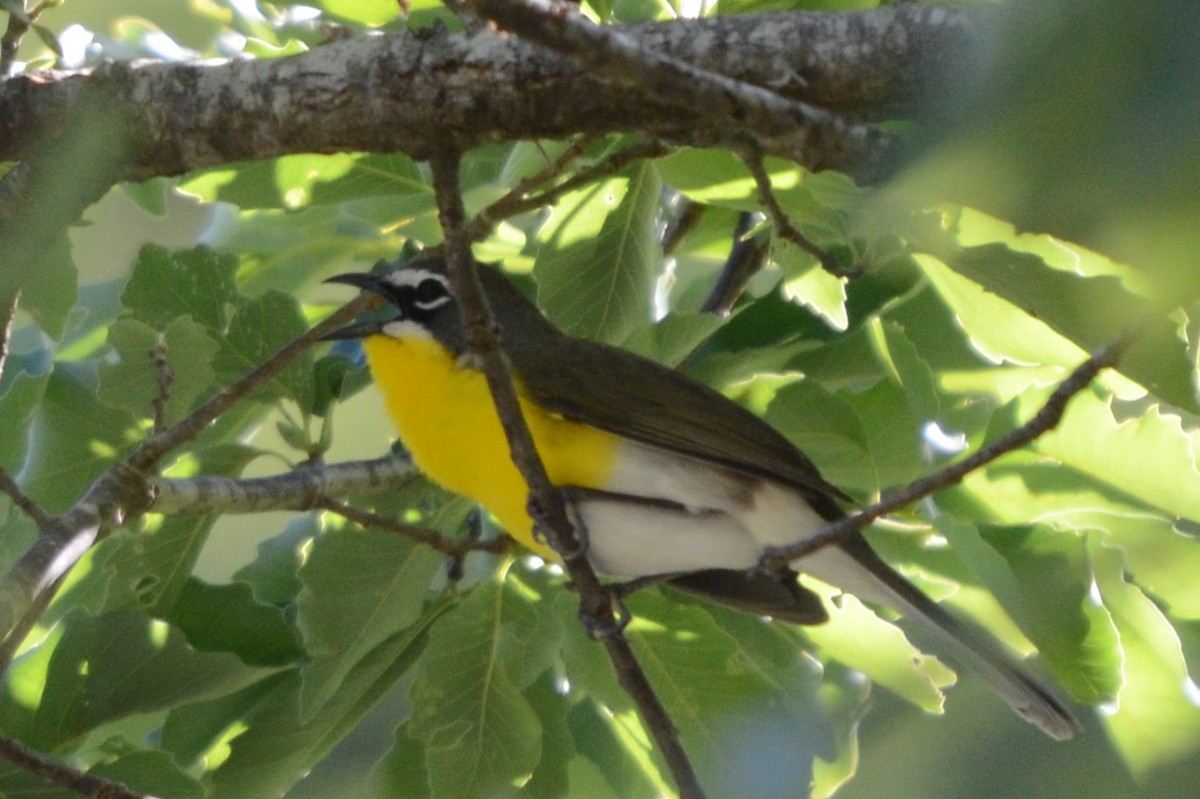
column 662, row 476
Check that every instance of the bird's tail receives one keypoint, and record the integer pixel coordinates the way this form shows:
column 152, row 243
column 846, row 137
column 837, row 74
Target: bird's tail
column 856, row 568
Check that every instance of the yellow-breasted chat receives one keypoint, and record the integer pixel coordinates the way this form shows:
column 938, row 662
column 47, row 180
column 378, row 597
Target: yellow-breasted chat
column 664, row 476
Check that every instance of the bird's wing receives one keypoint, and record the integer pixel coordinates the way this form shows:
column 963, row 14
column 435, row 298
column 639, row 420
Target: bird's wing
column 636, row 398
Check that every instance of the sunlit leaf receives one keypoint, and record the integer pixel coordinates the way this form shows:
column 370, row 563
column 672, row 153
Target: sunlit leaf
column 1153, row 720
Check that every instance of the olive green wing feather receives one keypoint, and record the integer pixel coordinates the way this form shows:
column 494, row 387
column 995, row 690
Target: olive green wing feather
column 633, row 397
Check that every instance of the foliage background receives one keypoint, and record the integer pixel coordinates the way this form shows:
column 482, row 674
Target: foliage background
column 225, row 656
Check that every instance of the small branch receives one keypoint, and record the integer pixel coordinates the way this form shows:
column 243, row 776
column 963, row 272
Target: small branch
column 122, row 494
column 688, row 216
column 746, row 258
column 299, row 490
column 454, row 547
column 23, row 501
column 1045, row 420
column 545, row 502
column 8, row 310
column 518, row 201
column 147, row 456
column 18, row 26
column 827, row 140
column 753, row 159
column 164, row 377
column 57, row 774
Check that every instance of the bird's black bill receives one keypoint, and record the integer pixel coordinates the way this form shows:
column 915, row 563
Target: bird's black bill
column 356, row 330
column 365, row 327
column 362, row 280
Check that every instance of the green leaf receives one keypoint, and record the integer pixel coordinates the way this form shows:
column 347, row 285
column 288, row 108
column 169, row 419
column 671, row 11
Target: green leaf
column 857, row 637
column 377, row 580
column 112, row 666
column 401, row 773
column 1154, row 721
column 165, row 285
column 907, row 367
column 997, row 329
column 277, row 747
column 1041, row 578
column 391, row 175
column 226, row 618
column 825, row 427
column 132, row 383
column 599, row 257
column 150, row 195
column 18, row 406
column 481, row 735
column 711, row 176
column 73, row 438
column 1150, row 457
column 260, row 328
column 551, row 778
column 152, row 773
column 274, row 574
column 674, row 337
column 615, row 760
column 49, row 285
column 1090, row 311
column 746, row 682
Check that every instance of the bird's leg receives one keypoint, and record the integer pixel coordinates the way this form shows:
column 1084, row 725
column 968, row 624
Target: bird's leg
column 569, row 495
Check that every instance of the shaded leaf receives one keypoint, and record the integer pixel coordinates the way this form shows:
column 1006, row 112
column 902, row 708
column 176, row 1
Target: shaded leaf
column 165, row 285
column 378, row 581
column 480, row 734
column 596, row 267
column 260, row 328
column 111, row 666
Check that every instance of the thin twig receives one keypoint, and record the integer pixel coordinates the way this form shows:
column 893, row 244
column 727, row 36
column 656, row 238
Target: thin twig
column 597, row 604
column 147, row 456
column 55, row 773
column 455, row 547
column 8, row 311
column 164, row 377
column 1045, row 420
column 23, row 501
column 688, row 216
column 18, row 26
column 121, row 495
column 516, row 202
column 746, row 258
column 753, row 159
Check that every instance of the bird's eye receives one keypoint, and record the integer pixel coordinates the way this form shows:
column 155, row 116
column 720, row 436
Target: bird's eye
column 430, row 294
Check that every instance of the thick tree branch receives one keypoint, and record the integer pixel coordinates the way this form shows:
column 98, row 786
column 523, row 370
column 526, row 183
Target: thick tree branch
column 722, row 106
column 597, row 604
column 413, row 93
column 1045, row 420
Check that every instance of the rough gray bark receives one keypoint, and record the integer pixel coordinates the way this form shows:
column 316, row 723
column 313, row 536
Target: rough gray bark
column 413, row 92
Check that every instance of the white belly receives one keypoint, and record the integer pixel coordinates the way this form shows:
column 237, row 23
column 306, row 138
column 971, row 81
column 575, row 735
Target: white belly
column 724, row 519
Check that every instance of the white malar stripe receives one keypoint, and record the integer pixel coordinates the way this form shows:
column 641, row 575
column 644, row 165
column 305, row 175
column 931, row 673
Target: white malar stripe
column 405, row 328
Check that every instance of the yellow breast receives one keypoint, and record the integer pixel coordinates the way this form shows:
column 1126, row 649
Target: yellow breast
column 445, row 417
